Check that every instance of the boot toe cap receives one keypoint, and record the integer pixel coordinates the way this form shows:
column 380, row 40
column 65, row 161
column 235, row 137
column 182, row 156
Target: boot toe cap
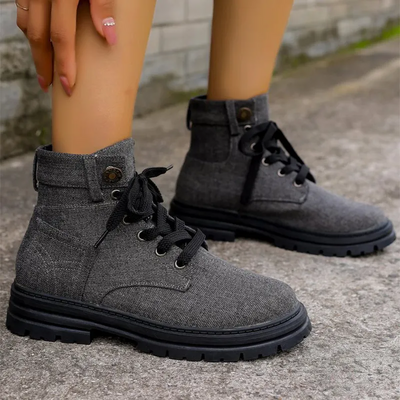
column 332, row 214
column 219, row 297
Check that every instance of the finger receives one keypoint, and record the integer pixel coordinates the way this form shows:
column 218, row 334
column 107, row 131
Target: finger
column 38, row 34
column 103, row 19
column 62, row 34
column 22, row 15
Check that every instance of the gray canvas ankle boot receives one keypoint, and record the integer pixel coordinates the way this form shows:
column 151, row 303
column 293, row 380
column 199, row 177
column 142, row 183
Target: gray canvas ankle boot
column 241, row 176
column 102, row 255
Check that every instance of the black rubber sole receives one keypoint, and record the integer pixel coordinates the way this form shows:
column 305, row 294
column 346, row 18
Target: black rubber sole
column 50, row 318
column 223, row 225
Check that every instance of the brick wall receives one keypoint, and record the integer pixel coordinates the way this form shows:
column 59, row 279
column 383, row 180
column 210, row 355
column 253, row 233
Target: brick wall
column 177, row 56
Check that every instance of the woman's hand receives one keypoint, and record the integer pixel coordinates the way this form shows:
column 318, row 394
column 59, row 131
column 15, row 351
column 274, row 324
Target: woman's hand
column 50, row 26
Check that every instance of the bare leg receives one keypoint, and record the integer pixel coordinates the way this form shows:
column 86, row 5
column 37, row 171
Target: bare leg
column 246, row 36
column 99, row 112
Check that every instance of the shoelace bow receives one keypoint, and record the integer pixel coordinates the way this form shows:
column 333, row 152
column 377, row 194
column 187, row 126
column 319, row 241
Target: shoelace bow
column 265, row 137
column 141, row 201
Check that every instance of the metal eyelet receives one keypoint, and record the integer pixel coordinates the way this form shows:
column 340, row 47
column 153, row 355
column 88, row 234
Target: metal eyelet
column 253, row 146
column 177, row 266
column 115, row 193
column 125, row 220
column 298, row 185
column 280, row 173
column 139, row 237
column 247, row 127
column 264, row 162
column 160, row 254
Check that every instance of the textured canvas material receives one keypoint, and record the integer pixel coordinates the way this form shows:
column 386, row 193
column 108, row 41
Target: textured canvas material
column 217, row 182
column 57, row 255
column 219, row 295
column 217, row 122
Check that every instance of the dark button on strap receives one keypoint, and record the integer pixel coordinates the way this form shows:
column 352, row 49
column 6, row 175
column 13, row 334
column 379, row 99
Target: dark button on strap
column 244, row 114
column 112, row 174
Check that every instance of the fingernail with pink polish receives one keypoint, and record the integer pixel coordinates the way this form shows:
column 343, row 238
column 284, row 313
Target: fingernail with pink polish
column 42, row 83
column 65, row 85
column 109, row 30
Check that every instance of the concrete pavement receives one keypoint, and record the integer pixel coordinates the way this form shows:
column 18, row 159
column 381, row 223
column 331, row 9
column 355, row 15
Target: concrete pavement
column 343, row 116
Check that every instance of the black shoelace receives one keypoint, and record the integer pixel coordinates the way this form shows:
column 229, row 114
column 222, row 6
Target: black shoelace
column 141, row 201
column 266, row 137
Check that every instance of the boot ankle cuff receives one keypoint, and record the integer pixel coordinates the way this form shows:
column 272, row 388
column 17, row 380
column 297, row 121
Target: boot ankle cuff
column 232, row 113
column 107, row 168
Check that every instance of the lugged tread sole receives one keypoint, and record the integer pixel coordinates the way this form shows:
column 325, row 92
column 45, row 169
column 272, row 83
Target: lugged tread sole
column 48, row 325
column 225, row 226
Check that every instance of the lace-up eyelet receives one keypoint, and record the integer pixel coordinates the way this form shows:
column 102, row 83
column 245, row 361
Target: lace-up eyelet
column 160, row 254
column 297, row 185
column 253, row 146
column 116, row 194
column 139, row 237
column 179, row 266
column 126, row 221
column 264, row 162
column 141, row 200
column 247, row 127
column 281, row 174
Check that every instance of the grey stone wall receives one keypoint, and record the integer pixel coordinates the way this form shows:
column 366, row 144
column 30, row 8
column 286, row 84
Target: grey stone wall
column 177, row 56
column 24, row 109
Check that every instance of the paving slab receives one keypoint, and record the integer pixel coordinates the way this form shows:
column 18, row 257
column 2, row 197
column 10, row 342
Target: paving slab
column 343, row 116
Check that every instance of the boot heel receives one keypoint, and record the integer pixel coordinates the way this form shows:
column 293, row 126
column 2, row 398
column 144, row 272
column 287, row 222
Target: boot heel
column 218, row 234
column 42, row 331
